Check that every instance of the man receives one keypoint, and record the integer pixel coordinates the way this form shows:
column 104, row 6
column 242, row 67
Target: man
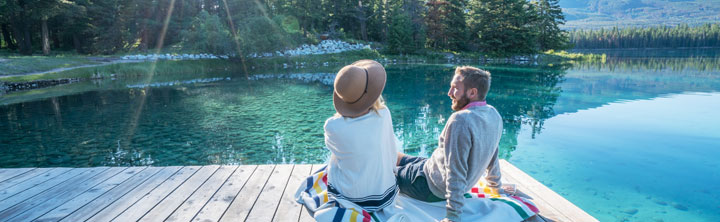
column 467, row 147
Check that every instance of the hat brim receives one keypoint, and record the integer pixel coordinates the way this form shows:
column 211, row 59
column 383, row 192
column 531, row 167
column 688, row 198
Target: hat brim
column 376, row 84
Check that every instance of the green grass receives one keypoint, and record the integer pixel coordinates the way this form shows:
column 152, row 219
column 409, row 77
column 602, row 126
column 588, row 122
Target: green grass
column 563, row 55
column 160, row 68
column 16, row 64
column 169, row 68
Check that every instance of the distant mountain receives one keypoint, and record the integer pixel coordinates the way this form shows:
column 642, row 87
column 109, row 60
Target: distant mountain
column 594, row 14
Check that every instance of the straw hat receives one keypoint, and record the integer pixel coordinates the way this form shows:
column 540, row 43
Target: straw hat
column 357, row 86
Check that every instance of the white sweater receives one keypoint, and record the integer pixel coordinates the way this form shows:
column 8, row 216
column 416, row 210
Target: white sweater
column 363, row 156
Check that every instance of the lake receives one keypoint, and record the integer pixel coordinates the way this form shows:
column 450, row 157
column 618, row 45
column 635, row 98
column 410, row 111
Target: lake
column 632, row 138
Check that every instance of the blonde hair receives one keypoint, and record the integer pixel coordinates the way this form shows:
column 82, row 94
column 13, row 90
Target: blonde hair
column 377, row 105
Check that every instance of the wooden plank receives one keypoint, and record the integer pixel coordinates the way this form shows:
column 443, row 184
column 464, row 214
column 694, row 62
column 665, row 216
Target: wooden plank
column 29, row 180
column 219, row 203
column 540, row 191
column 10, row 173
column 289, row 210
column 172, row 201
column 4, row 185
column 264, row 208
column 113, row 202
column 202, row 195
column 17, row 197
column 304, row 215
column 243, row 202
column 545, row 208
column 51, row 198
column 220, row 192
column 67, row 207
column 151, row 198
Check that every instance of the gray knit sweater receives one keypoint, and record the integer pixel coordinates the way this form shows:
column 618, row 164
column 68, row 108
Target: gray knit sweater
column 467, row 147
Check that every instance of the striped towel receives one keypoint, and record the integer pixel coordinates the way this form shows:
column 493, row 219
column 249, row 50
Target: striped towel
column 324, row 206
column 524, row 207
column 482, row 203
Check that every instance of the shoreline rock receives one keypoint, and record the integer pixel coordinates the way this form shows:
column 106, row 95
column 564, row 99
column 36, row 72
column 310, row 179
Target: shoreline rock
column 6, row 87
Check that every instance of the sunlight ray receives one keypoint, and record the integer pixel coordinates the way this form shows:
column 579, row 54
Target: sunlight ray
column 235, row 39
column 143, row 97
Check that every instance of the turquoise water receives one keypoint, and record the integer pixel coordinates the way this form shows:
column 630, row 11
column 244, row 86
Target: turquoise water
column 631, row 139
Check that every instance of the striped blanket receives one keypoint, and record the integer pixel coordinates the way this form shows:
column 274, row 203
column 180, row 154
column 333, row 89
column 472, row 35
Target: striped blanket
column 481, row 204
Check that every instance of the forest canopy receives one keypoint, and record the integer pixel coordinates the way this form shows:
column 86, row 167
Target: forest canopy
column 706, row 35
column 494, row 27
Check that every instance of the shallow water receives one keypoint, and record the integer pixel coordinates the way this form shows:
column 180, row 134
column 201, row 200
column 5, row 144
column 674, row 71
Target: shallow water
column 630, row 139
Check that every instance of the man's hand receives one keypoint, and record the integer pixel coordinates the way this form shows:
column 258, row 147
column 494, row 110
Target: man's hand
column 399, row 157
column 446, row 220
column 509, row 189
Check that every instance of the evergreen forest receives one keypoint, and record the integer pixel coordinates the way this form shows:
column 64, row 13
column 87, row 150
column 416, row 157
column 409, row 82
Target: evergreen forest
column 492, row 27
column 706, row 35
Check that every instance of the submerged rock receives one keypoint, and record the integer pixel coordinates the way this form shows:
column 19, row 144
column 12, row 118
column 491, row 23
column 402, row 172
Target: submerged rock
column 660, row 202
column 679, row 206
column 632, row 211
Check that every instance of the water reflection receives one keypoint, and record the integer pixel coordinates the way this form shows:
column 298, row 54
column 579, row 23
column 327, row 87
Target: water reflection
column 674, row 64
column 637, row 149
column 278, row 118
column 418, row 97
column 672, row 60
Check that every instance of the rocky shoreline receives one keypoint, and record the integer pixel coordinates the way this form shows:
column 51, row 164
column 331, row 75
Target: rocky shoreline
column 6, row 87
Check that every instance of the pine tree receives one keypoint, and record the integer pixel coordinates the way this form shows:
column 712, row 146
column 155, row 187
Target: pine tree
column 435, row 26
column 550, row 18
column 457, row 27
column 503, row 27
column 207, row 34
column 400, row 34
column 446, row 25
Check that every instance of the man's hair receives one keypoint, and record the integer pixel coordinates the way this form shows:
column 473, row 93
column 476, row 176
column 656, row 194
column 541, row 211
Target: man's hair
column 475, row 78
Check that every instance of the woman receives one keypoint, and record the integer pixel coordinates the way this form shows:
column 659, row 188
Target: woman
column 361, row 138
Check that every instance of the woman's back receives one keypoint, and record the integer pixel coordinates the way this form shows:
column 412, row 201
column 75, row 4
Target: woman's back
column 363, row 157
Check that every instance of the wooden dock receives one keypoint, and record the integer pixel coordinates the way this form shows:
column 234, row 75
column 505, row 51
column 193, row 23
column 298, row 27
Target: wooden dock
column 193, row 193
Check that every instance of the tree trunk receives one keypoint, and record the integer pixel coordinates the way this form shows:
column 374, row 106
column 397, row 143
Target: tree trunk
column 23, row 24
column 3, row 39
column 181, row 10
column 362, row 18
column 18, row 36
column 45, row 38
column 363, row 29
column 143, row 40
column 8, row 38
column 386, row 21
column 76, row 43
column 22, row 36
column 159, row 16
column 27, row 39
column 55, row 35
column 144, row 32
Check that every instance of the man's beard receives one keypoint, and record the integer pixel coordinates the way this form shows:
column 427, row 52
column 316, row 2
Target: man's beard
column 458, row 104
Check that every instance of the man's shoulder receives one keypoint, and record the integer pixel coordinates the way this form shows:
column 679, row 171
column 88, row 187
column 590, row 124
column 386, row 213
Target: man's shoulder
column 460, row 118
column 494, row 111
column 470, row 115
